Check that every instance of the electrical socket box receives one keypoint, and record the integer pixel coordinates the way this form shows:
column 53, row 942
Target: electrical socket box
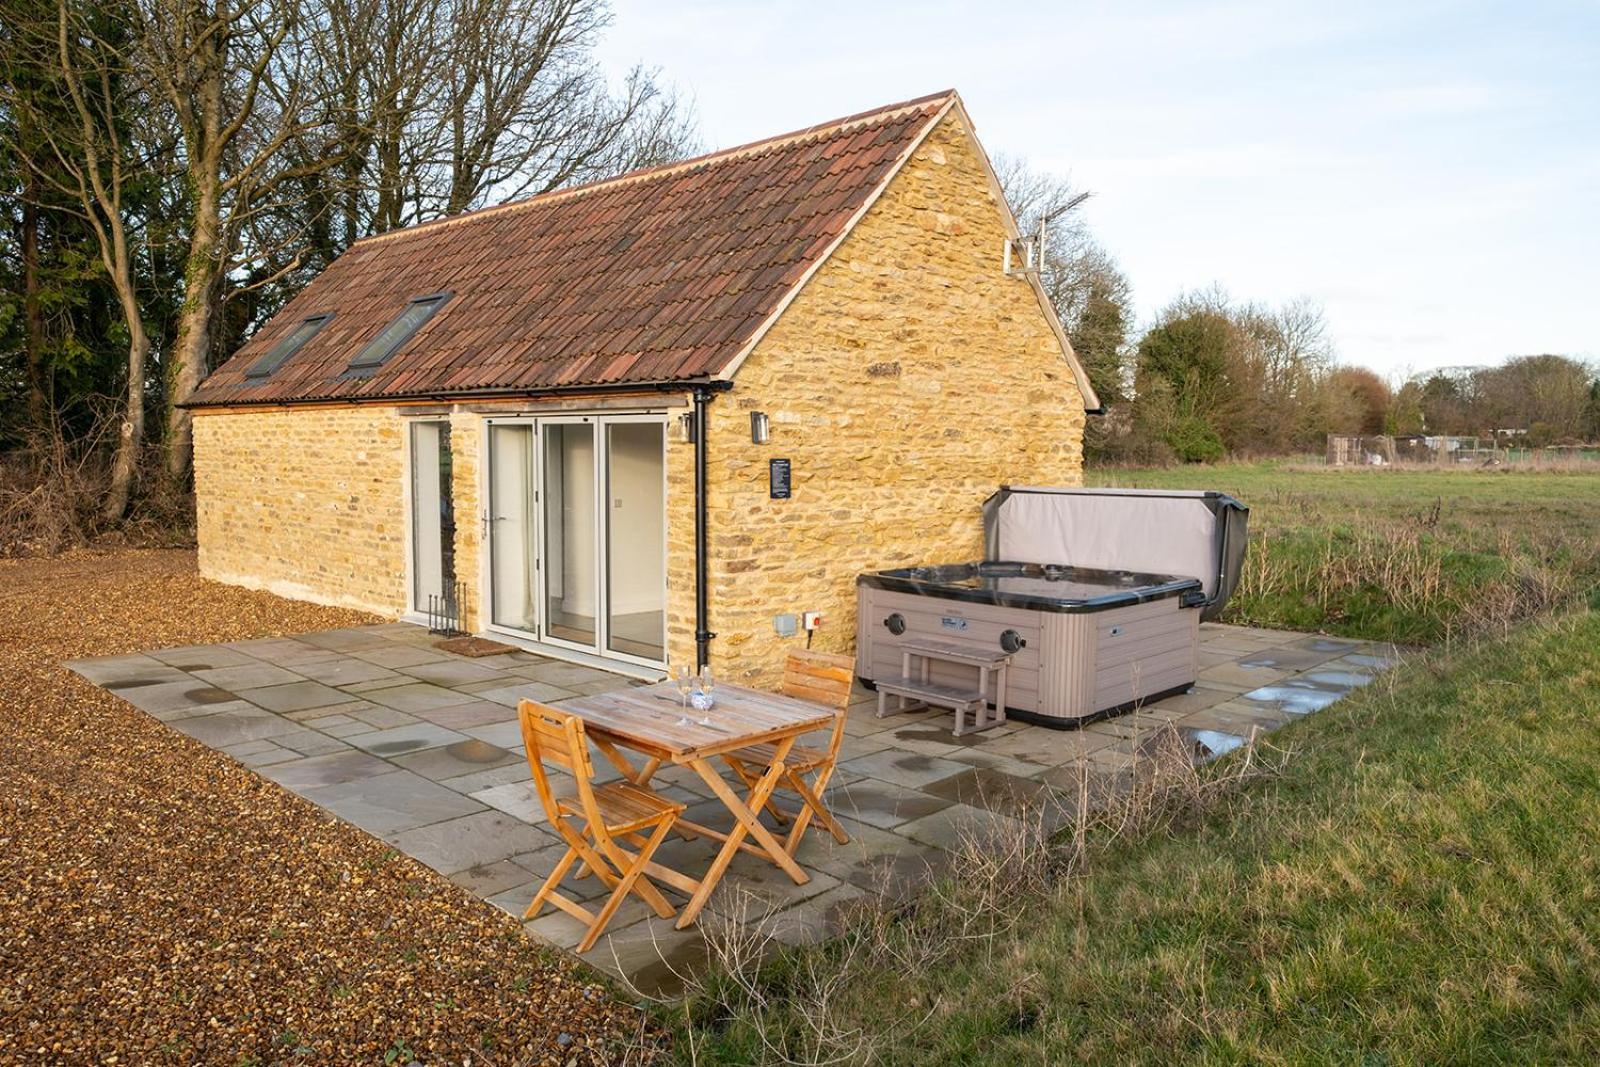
column 811, row 620
column 785, row 625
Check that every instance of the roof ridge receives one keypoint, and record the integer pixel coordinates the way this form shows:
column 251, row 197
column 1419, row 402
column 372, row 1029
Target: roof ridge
column 660, row 170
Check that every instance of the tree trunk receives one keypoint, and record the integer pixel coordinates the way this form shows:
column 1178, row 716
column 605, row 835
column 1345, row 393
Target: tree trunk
column 130, row 434
column 191, row 351
column 32, row 308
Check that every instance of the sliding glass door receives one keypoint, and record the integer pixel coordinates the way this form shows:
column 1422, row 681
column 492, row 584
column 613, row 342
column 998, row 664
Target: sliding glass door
column 512, row 544
column 636, row 545
column 433, row 524
column 571, row 542
column 577, row 530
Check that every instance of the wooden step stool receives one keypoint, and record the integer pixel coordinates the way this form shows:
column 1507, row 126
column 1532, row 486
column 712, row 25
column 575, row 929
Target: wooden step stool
column 916, row 687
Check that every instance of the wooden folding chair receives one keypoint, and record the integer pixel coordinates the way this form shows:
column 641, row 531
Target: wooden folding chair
column 825, row 678
column 592, row 821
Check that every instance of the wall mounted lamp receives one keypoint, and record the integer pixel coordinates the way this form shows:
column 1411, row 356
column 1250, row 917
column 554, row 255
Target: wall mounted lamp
column 760, row 427
column 686, row 425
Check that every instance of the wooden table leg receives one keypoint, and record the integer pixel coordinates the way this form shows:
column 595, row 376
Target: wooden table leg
column 614, row 756
column 746, row 822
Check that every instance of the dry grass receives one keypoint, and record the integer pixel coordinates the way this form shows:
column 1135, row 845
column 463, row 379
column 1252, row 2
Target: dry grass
column 762, row 1002
column 1417, row 886
column 52, row 490
column 1423, row 556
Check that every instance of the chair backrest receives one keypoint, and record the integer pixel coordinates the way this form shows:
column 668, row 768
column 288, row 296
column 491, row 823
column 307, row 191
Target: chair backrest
column 822, row 678
column 554, row 736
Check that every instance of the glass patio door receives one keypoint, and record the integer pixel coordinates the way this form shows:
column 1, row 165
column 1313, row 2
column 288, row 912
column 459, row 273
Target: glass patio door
column 513, row 548
column 571, row 533
column 636, row 542
column 577, row 531
column 433, row 524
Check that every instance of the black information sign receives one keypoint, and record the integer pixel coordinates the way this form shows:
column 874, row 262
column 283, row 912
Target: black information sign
column 778, row 478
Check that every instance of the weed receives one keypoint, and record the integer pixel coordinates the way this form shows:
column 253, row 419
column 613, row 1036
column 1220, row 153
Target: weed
column 763, row 1003
column 399, row 1052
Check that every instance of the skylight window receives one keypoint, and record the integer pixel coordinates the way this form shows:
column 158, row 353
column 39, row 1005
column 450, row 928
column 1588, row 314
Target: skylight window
column 288, row 346
column 398, row 332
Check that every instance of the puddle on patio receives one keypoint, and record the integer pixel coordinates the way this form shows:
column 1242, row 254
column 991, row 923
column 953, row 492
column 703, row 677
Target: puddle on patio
column 475, row 751
column 1212, row 744
column 1339, row 679
column 1295, row 698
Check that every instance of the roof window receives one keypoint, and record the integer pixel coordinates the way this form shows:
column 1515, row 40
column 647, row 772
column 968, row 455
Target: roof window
column 398, row 332
column 290, row 343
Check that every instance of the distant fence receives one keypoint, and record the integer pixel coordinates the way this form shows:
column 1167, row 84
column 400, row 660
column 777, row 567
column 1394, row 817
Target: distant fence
column 1381, row 450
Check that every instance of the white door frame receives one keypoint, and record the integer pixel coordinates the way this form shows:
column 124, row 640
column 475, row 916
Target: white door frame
column 408, row 506
column 540, row 635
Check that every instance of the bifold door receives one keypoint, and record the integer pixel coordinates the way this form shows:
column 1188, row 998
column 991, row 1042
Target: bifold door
column 433, row 526
column 577, row 533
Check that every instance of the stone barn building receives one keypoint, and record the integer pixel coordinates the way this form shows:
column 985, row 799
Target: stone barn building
column 635, row 422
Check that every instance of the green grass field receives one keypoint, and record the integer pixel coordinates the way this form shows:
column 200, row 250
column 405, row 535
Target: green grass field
column 1418, row 882
column 1418, row 885
column 1415, row 556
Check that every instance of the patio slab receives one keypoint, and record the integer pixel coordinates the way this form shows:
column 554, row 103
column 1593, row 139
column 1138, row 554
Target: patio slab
column 474, row 840
column 294, row 696
column 422, row 748
column 399, row 740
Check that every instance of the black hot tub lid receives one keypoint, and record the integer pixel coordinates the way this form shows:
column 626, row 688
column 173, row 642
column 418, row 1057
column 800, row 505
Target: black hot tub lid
column 1037, row 586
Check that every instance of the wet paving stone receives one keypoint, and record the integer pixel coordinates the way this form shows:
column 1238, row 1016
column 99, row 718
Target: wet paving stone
column 984, row 787
column 1286, row 659
column 882, row 805
column 903, row 768
column 438, row 768
column 1211, row 744
column 296, row 696
column 1295, row 697
column 403, row 739
column 457, row 760
column 1329, row 644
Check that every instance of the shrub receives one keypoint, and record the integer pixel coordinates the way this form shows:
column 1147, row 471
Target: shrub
column 1194, row 441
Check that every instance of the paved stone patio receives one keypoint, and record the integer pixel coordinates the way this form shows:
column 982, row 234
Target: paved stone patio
column 422, row 749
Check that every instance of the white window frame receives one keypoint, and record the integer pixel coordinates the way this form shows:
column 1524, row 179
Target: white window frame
column 539, row 639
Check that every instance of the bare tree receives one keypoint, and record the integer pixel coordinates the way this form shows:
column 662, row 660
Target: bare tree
column 236, row 77
column 463, row 102
column 1090, row 293
column 309, row 123
column 95, row 164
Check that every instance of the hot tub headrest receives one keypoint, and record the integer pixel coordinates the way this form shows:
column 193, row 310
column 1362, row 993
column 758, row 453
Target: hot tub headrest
column 1199, row 534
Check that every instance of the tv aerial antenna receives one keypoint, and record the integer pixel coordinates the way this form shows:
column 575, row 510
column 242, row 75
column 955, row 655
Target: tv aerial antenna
column 1025, row 254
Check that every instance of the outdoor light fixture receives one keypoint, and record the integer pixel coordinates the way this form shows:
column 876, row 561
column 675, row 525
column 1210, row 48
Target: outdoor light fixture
column 686, row 424
column 760, row 427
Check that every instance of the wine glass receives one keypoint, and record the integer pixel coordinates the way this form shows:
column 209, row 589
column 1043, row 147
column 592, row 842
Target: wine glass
column 684, row 677
column 707, row 682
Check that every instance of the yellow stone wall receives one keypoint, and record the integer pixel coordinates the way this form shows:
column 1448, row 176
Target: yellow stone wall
column 466, row 473
column 906, row 382
column 307, row 503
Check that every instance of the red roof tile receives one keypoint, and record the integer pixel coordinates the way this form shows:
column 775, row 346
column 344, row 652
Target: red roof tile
column 659, row 275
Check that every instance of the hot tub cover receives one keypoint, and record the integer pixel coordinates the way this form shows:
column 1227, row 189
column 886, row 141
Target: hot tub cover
column 1034, row 586
column 1199, row 533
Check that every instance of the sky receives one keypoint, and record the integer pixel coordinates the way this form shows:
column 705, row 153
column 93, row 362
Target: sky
column 1428, row 172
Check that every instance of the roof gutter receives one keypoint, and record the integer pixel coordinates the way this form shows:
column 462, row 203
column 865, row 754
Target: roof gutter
column 464, row 396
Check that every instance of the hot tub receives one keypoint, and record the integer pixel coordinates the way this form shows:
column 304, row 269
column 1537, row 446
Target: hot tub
column 1096, row 626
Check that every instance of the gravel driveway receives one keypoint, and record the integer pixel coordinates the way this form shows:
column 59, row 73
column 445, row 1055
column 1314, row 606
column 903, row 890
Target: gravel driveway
column 159, row 903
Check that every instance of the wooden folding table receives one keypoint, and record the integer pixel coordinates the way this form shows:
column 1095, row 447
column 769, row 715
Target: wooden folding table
column 652, row 721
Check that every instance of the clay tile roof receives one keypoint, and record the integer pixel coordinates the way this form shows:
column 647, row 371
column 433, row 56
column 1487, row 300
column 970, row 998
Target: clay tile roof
column 660, row 275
